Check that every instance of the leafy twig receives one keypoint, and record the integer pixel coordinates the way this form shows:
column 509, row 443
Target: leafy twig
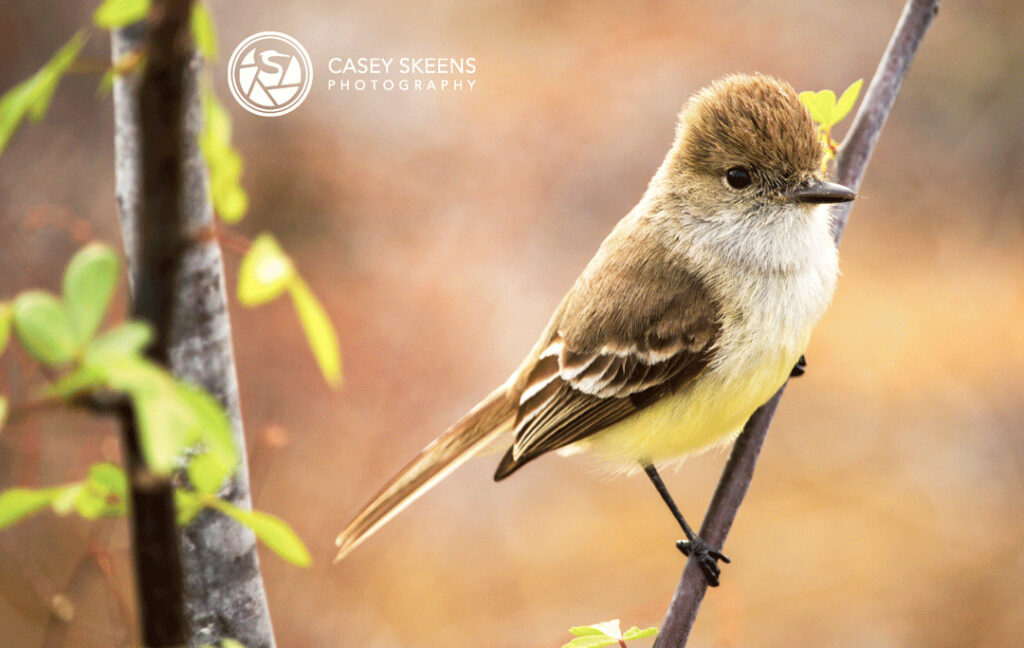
column 851, row 163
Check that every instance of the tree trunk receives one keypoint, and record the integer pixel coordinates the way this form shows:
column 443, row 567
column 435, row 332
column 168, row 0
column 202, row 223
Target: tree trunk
column 223, row 586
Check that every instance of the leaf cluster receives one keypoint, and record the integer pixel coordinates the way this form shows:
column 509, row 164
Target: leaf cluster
column 606, row 633
column 180, row 425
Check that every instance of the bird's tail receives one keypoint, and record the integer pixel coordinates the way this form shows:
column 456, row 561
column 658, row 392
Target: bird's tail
column 474, row 431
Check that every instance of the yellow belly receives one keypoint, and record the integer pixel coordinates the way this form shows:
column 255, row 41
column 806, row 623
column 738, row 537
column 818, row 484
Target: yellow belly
column 708, row 413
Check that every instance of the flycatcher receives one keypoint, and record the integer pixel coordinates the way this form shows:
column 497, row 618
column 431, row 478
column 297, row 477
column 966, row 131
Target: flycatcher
column 693, row 312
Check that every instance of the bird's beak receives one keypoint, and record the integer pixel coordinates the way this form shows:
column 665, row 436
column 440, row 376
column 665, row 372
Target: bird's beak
column 819, row 192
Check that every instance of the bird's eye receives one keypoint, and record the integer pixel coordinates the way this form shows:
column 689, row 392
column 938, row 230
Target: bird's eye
column 738, row 177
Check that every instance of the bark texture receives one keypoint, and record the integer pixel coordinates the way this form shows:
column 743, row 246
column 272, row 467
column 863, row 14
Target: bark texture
column 224, row 595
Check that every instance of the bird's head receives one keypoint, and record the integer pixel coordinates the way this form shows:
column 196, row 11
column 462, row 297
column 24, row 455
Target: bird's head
column 747, row 144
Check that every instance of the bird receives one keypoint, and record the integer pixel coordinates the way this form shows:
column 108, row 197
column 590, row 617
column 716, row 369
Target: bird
column 694, row 311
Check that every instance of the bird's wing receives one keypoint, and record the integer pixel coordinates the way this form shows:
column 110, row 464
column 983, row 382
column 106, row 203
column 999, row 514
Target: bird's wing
column 613, row 357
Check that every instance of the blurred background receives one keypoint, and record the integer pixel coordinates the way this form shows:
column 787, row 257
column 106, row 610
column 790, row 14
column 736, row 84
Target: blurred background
column 441, row 229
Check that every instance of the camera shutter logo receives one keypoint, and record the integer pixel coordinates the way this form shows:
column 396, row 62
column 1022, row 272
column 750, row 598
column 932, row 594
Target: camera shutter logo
column 270, row 74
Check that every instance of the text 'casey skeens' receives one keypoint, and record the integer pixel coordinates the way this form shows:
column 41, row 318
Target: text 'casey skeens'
column 402, row 73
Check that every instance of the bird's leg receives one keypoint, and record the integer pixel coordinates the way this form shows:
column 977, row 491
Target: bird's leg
column 706, row 557
column 800, row 368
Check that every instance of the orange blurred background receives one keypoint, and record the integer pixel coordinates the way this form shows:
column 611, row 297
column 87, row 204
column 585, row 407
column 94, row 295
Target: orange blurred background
column 440, row 229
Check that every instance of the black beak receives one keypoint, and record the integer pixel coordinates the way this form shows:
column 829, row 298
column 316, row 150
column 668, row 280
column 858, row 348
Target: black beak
column 819, row 192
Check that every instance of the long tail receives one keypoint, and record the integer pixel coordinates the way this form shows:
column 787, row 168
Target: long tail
column 461, row 441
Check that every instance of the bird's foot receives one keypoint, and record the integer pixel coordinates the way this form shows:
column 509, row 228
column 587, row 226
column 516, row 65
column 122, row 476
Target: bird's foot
column 800, row 368
column 706, row 557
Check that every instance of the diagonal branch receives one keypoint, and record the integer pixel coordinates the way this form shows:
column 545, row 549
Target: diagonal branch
column 851, row 162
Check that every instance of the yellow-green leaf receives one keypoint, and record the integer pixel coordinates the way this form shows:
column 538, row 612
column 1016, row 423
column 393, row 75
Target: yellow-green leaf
column 607, row 628
column 591, row 641
column 320, row 334
column 85, row 378
column 65, row 498
column 127, row 338
column 226, row 643
column 224, row 162
column 637, row 633
column 44, row 328
column 32, row 96
column 265, row 272
column 206, row 473
column 118, row 13
column 203, row 32
column 163, row 420
column 271, row 530
column 19, row 503
column 109, row 478
column 3, row 411
column 846, row 101
column 89, row 282
column 188, row 506
column 13, row 108
column 820, row 105
column 211, row 433
column 5, row 325
column 46, row 80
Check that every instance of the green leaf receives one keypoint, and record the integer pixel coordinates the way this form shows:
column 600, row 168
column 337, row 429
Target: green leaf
column 46, row 80
column 125, row 339
column 119, row 13
column 846, row 101
column 84, row 378
column 206, row 473
column 273, row 531
column 607, row 628
column 162, row 418
column 188, row 505
column 90, row 504
column 586, row 631
column 592, row 641
column 19, row 503
column 65, row 498
column 44, row 327
column 89, row 283
column 32, row 96
column 637, row 633
column 320, row 334
column 5, row 325
column 211, row 431
column 109, row 478
column 821, row 106
column 265, row 271
column 224, row 162
column 226, row 643
column 203, row 32
column 4, row 407
column 13, row 108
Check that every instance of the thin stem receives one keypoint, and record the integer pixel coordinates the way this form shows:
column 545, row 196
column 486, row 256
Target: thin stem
column 851, row 162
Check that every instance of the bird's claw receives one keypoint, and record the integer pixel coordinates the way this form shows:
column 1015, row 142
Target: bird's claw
column 706, row 557
column 800, row 368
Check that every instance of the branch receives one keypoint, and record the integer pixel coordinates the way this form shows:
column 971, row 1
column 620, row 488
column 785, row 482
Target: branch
column 224, row 595
column 159, row 247
column 850, row 165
